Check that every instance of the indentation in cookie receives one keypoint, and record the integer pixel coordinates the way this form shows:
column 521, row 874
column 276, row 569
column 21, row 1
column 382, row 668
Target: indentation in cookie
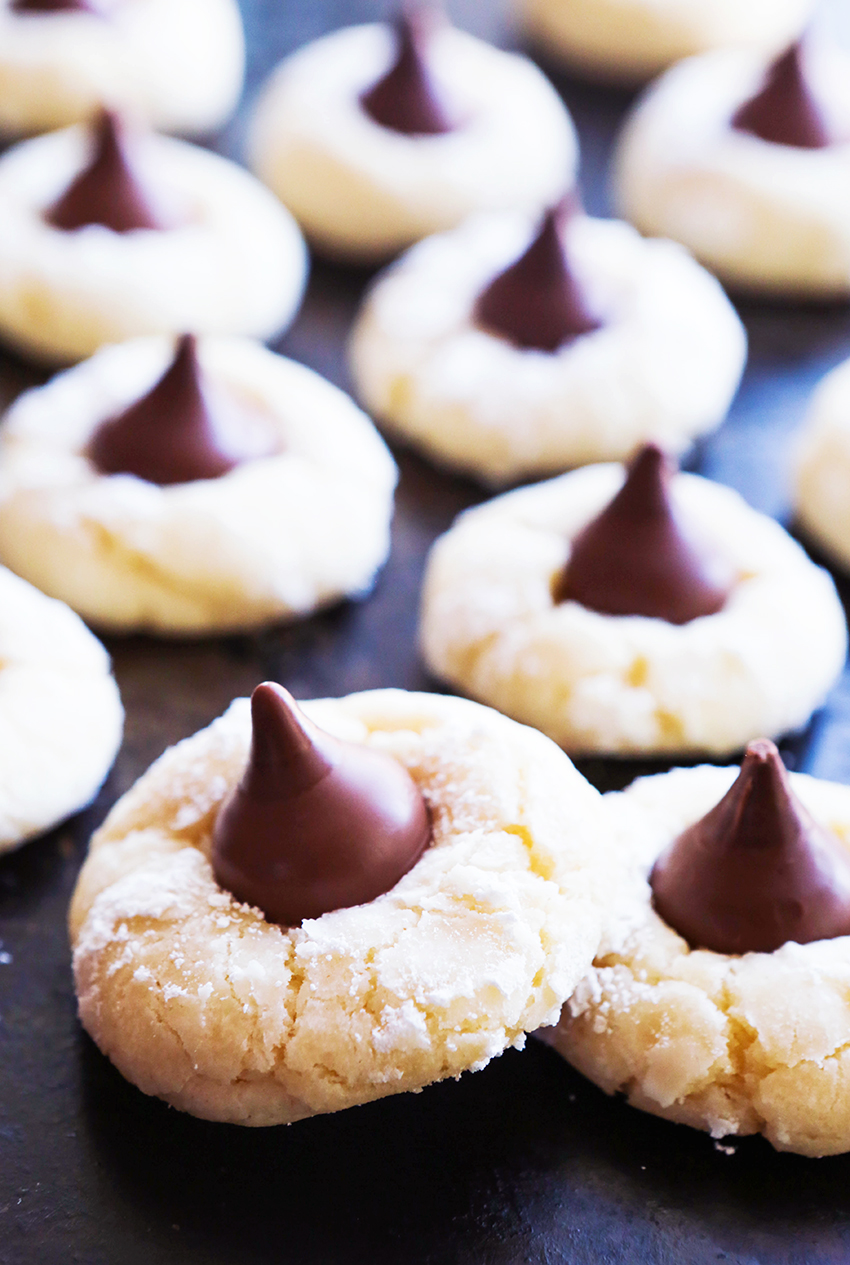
column 108, row 190
column 183, row 429
column 639, row 557
column 757, row 870
column 538, row 302
column 785, row 110
column 406, row 99
column 316, row 824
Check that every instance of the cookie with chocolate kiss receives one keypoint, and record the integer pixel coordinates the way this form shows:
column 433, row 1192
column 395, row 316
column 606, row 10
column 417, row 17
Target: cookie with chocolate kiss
column 108, row 191
column 316, row 824
column 638, row 557
column 178, row 432
column 757, row 870
column 538, row 302
column 785, row 111
column 406, row 98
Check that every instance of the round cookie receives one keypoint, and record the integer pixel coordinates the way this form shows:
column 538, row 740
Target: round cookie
column 234, row 261
column 199, row 1000
column 629, row 684
column 766, row 217
column 734, row 1044
column 60, row 712
column 177, row 63
column 664, row 365
column 634, row 40
column 274, row 538
column 362, row 191
column 823, row 466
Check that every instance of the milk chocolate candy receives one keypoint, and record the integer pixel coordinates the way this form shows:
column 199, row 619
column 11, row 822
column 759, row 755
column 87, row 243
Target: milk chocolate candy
column 176, row 433
column 107, row 191
column 639, row 556
column 537, row 302
column 316, row 824
column 756, row 871
column 54, row 6
column 785, row 111
column 406, row 98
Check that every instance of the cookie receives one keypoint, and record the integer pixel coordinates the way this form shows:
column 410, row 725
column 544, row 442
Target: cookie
column 661, row 360
column 823, row 466
column 60, row 712
column 290, row 512
column 630, row 41
column 204, row 1002
column 730, row 1042
column 748, row 165
column 488, row 132
column 80, row 267
column 632, row 675
column 177, row 63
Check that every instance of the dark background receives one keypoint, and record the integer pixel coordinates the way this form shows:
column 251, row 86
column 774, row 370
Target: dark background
column 524, row 1162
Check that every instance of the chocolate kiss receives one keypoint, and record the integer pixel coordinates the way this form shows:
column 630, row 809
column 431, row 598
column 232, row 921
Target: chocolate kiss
column 106, row 191
column 53, row 6
column 537, row 302
column 405, row 99
column 316, row 824
column 784, row 110
column 756, row 871
column 172, row 434
column 636, row 557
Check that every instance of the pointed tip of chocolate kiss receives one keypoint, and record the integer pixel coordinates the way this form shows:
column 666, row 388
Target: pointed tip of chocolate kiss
column 637, row 557
column 537, row 302
column 406, row 99
column 756, row 871
column 174, row 433
column 785, row 111
column 107, row 191
column 316, row 824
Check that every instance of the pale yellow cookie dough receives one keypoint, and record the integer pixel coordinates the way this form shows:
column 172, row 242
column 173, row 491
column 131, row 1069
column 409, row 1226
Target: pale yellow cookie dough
column 199, row 1000
column 60, row 712
column 633, row 40
column 822, row 497
column 623, row 685
column 237, row 265
column 664, row 367
column 758, row 1043
column 765, row 217
column 177, row 63
column 362, row 191
column 274, row 538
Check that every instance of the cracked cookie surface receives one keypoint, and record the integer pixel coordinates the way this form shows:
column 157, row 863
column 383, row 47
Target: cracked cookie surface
column 199, row 1000
column 629, row 684
column 758, row 1043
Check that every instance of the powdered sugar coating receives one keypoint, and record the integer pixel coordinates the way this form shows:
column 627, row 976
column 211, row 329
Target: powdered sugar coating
column 197, row 999
column 236, row 265
column 769, row 218
column 274, row 538
column 634, row 40
column 177, row 63
column 629, row 684
column 756, row 1043
column 60, row 712
column 665, row 365
column 362, row 191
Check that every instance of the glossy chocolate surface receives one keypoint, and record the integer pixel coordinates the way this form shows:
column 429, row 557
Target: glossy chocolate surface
column 107, row 191
column 316, row 824
column 180, row 431
column 538, row 302
column 640, row 557
column 756, row 871
column 785, row 111
column 406, row 99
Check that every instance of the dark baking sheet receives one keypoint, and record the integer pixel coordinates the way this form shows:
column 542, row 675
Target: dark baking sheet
column 524, row 1162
